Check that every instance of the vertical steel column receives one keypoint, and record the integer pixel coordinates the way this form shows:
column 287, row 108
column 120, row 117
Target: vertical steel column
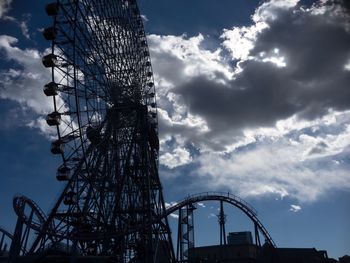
column 222, row 221
column 257, row 237
column 185, row 239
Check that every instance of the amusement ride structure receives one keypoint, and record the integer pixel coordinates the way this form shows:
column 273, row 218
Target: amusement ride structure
column 112, row 207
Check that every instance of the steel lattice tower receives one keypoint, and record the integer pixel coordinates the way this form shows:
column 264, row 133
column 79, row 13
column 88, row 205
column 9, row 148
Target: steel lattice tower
column 106, row 118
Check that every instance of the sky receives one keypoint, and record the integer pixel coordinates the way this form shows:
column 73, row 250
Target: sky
column 253, row 99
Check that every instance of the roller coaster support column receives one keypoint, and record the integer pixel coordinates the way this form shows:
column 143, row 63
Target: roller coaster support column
column 6, row 238
column 185, row 239
column 15, row 247
column 222, row 221
column 257, row 237
column 3, row 245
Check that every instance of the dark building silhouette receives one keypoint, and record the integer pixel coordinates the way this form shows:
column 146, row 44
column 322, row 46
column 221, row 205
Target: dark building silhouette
column 293, row 255
column 224, row 253
column 240, row 249
column 344, row 259
column 239, row 238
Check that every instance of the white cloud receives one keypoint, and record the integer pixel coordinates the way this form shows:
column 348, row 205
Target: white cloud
column 167, row 205
column 173, row 215
column 144, row 18
column 201, row 204
column 276, row 124
column 24, row 28
column 209, row 104
column 44, row 129
column 212, row 215
column 240, row 40
column 24, row 80
column 269, row 10
column 178, row 157
column 295, row 208
column 280, row 166
column 5, row 6
column 175, row 57
column 278, row 61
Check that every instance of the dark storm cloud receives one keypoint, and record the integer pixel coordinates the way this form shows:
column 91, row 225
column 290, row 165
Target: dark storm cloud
column 345, row 4
column 315, row 47
column 249, row 101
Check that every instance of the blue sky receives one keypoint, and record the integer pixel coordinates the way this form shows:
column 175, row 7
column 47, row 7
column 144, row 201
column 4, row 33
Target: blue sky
column 253, row 99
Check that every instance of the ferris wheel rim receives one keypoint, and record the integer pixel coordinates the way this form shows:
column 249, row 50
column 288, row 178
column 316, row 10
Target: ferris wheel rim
column 81, row 126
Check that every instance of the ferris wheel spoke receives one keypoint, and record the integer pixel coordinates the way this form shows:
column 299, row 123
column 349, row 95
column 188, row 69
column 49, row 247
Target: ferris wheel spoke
column 106, row 118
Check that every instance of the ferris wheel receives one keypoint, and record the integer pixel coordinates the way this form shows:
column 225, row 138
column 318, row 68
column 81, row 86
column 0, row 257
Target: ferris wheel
column 111, row 207
column 99, row 60
column 107, row 134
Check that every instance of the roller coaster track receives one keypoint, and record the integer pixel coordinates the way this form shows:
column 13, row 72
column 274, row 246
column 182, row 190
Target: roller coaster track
column 191, row 199
column 227, row 198
column 5, row 234
column 19, row 203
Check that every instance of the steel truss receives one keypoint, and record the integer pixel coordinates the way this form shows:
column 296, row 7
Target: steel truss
column 111, row 208
column 106, row 118
column 189, row 202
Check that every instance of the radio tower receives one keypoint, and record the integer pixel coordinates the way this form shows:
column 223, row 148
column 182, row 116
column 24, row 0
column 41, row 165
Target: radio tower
column 106, row 118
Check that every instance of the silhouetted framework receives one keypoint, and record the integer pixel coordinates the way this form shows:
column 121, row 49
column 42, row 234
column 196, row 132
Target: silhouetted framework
column 106, row 119
column 186, row 207
column 185, row 237
column 222, row 220
column 5, row 241
column 111, row 208
column 30, row 219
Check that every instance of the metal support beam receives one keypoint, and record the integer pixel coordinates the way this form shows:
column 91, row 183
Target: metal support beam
column 222, row 220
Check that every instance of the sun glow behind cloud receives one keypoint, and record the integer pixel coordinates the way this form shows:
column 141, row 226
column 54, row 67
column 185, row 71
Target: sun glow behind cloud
column 286, row 144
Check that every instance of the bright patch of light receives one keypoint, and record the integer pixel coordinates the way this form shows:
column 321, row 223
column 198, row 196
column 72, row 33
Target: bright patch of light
column 269, row 189
column 295, row 208
column 175, row 216
column 180, row 156
column 347, row 65
column 212, row 215
column 144, row 18
column 240, row 40
column 167, row 205
column 267, row 11
column 278, row 61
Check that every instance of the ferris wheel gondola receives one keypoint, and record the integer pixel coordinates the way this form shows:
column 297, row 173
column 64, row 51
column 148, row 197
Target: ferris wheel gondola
column 105, row 113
